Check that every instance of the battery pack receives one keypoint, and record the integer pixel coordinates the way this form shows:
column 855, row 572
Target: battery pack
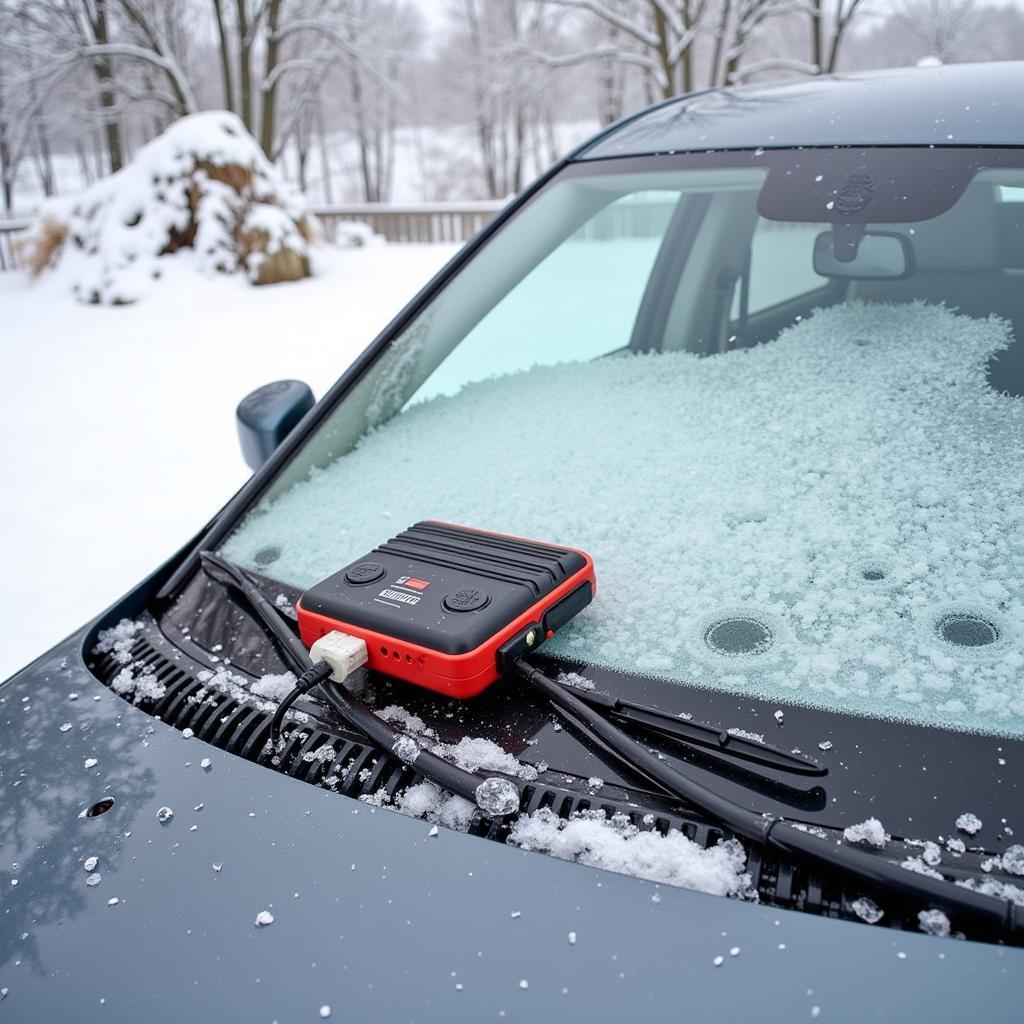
column 450, row 608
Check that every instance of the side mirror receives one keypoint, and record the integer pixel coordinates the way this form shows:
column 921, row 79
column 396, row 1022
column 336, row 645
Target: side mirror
column 267, row 416
column 878, row 256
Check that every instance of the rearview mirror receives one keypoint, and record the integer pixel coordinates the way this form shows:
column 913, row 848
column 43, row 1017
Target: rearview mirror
column 266, row 416
column 879, row 256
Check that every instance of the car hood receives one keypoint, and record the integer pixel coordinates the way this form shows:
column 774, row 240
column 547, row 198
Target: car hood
column 374, row 915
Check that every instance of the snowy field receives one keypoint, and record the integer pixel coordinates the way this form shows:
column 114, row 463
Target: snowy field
column 118, row 438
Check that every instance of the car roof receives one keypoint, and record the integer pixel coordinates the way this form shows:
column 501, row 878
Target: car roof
column 947, row 105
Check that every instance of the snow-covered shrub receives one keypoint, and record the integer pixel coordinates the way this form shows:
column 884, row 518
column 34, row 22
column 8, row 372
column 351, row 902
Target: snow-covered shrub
column 355, row 233
column 204, row 185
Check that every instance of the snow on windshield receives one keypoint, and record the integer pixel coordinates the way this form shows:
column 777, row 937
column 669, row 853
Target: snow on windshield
column 834, row 518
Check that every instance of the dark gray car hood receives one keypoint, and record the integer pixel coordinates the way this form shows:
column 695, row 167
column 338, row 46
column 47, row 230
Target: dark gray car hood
column 373, row 916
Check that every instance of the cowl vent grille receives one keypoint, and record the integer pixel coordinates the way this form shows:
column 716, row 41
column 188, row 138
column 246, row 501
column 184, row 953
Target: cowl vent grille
column 322, row 755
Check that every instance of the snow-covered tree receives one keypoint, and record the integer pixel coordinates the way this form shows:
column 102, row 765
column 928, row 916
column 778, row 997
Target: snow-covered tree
column 947, row 30
column 682, row 45
column 510, row 94
column 661, row 35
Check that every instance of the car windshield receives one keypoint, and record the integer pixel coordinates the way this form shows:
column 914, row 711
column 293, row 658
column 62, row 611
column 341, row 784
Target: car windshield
column 776, row 395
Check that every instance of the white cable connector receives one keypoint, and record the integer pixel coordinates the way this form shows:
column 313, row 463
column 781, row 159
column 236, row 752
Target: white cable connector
column 342, row 652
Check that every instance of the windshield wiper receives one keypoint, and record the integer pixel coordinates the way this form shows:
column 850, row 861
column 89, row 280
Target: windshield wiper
column 690, row 733
column 876, row 871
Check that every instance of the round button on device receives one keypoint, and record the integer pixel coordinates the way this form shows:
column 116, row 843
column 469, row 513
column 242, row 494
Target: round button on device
column 469, row 599
column 364, row 572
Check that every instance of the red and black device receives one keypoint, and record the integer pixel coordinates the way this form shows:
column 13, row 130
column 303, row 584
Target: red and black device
column 450, row 608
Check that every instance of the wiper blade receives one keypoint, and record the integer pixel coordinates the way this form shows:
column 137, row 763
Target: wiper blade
column 874, row 871
column 685, row 731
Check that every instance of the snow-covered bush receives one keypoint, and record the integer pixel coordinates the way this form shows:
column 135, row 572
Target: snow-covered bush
column 354, row 234
column 204, row 185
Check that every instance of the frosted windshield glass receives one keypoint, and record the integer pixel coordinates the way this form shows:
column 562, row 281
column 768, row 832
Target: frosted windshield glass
column 832, row 516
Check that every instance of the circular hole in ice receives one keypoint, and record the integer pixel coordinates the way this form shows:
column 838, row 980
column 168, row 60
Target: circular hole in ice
column 738, row 635
column 964, row 629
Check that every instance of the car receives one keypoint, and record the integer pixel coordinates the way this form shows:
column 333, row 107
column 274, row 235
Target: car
column 755, row 352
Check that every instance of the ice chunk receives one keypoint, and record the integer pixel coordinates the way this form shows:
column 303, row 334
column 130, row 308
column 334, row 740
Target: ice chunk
column 164, row 815
column 993, row 887
column 118, row 640
column 89, row 864
column 264, row 918
column 616, row 844
column 426, row 800
column 405, row 748
column 1013, row 860
column 137, row 682
column 869, row 831
column 867, row 910
column 90, row 762
column 411, row 723
column 933, row 922
column 575, row 680
column 743, row 734
column 475, row 753
column 969, row 823
column 274, row 687
column 917, row 865
column 497, row 796
column 94, row 879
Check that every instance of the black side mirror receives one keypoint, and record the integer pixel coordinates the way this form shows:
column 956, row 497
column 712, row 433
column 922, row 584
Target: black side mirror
column 267, row 415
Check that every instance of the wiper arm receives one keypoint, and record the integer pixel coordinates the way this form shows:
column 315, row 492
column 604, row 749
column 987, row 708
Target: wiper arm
column 875, row 871
column 682, row 730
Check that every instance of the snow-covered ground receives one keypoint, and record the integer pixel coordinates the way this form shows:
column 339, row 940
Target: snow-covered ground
column 117, row 435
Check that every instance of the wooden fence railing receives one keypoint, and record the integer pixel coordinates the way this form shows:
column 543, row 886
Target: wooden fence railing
column 8, row 230
column 435, row 222
column 413, row 222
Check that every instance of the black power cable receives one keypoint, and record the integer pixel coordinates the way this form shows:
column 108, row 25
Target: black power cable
column 501, row 795
column 966, row 905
